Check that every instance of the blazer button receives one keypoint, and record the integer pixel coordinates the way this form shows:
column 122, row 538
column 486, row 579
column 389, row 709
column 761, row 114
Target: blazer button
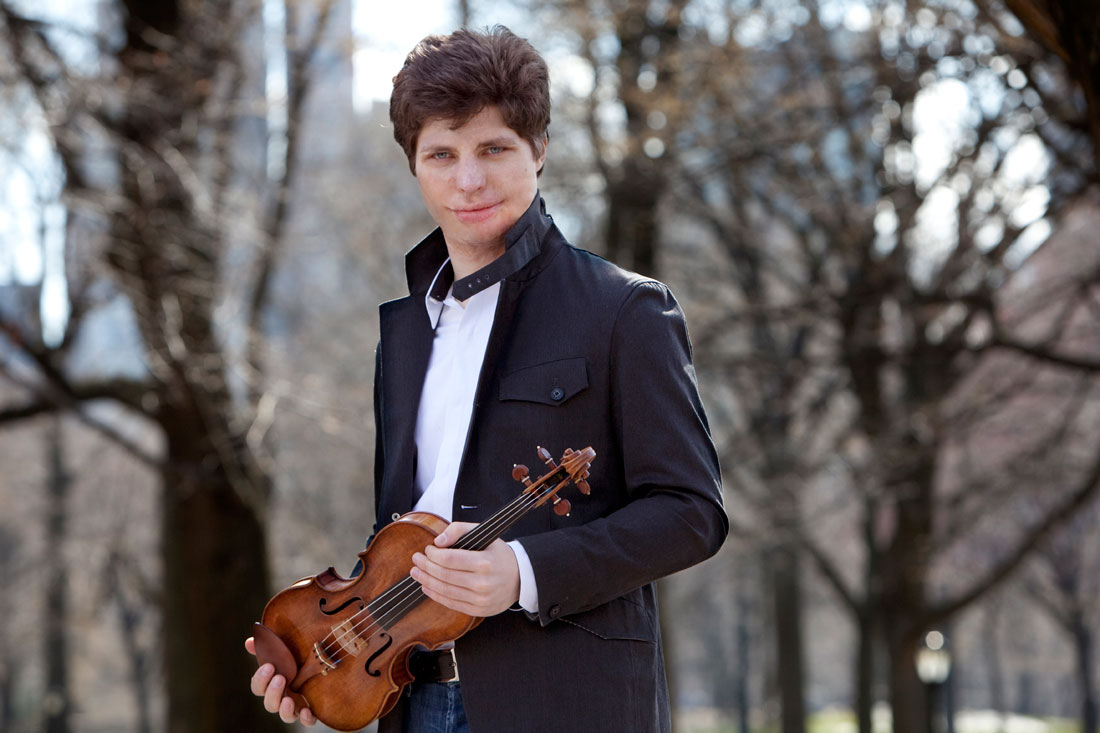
column 555, row 611
column 395, row 516
column 557, row 393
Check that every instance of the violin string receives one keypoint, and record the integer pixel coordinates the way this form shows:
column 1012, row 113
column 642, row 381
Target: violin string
column 396, row 598
column 397, row 588
column 407, row 593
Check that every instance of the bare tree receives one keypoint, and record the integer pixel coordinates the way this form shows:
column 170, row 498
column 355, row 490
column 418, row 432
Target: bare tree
column 151, row 147
column 852, row 276
column 1062, row 582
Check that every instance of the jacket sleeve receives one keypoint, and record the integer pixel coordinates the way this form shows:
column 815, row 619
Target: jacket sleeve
column 673, row 516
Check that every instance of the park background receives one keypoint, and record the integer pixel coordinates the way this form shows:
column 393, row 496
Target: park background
column 880, row 217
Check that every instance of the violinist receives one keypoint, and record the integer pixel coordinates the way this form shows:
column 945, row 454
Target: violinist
column 511, row 338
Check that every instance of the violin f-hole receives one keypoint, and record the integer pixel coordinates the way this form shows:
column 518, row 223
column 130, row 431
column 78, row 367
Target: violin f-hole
column 340, row 608
column 370, row 661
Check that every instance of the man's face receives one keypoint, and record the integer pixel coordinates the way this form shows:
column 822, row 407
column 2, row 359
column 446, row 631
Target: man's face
column 476, row 180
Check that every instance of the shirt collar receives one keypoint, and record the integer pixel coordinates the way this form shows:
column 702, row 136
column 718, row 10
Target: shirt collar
column 428, row 269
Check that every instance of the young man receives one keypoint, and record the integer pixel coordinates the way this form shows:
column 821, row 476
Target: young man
column 510, row 339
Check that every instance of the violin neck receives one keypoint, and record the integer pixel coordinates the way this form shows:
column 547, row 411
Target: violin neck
column 536, row 495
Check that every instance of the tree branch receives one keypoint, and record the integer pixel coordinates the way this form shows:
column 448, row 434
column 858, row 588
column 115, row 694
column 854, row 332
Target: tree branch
column 1081, row 496
column 1002, row 340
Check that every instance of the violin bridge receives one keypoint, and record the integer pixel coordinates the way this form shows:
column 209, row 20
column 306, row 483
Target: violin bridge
column 350, row 641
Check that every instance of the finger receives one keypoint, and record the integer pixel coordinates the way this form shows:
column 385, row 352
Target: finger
column 307, row 716
column 273, row 696
column 262, row 678
column 286, row 710
column 250, row 646
column 459, row 560
column 455, row 604
column 436, row 579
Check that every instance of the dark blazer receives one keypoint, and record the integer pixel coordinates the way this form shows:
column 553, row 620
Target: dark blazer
column 581, row 353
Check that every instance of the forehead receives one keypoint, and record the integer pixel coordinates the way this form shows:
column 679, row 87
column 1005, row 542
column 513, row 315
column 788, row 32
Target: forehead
column 488, row 124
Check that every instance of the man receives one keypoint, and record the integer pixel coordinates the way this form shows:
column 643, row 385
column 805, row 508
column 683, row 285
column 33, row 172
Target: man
column 510, row 339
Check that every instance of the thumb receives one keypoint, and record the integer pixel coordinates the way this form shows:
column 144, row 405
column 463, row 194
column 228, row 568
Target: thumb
column 453, row 533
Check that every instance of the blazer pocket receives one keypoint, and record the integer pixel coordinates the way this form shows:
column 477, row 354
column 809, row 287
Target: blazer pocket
column 551, row 383
column 618, row 619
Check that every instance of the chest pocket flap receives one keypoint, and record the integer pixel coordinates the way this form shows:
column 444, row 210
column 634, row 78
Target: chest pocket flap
column 551, row 383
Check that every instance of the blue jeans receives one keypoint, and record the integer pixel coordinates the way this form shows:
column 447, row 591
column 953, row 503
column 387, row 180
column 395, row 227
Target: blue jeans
column 436, row 707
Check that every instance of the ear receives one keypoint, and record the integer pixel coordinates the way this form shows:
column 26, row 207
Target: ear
column 540, row 160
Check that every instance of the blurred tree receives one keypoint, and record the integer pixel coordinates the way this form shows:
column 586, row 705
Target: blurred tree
column 868, row 265
column 849, row 190
column 1062, row 581
column 1071, row 29
column 58, row 701
column 8, row 659
column 634, row 49
column 154, row 141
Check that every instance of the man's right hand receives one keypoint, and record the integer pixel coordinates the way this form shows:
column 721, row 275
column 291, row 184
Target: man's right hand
column 270, row 686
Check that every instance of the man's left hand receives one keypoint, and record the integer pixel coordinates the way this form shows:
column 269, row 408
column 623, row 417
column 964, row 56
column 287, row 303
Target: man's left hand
column 477, row 583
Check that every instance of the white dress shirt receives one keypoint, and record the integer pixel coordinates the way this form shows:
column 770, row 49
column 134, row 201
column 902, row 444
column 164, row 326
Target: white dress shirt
column 446, row 405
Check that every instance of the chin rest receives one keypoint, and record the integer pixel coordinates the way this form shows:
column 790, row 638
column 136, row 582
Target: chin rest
column 270, row 648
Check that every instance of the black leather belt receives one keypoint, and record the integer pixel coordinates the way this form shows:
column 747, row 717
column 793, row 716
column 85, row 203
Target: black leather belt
column 438, row 666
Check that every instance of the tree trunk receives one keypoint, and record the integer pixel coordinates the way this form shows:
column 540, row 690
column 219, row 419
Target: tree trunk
column 129, row 618
column 216, row 585
column 787, row 595
column 743, row 657
column 632, row 219
column 908, row 698
column 996, row 668
column 7, row 688
column 1083, row 648
column 865, row 671
column 57, row 700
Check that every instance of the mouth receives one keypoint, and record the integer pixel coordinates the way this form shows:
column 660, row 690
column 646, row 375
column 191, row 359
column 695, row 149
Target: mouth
column 476, row 213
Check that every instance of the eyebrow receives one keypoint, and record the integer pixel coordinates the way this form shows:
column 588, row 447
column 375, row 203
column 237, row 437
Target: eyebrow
column 491, row 142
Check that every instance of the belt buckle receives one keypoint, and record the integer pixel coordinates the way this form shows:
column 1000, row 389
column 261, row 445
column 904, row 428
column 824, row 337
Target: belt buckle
column 454, row 665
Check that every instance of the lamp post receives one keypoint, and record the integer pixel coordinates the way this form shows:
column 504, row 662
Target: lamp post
column 933, row 668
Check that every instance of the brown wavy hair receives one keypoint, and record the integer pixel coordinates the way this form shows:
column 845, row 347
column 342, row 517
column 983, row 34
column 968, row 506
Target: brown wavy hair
column 456, row 76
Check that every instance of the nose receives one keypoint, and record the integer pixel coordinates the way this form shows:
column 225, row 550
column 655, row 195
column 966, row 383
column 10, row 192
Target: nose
column 469, row 175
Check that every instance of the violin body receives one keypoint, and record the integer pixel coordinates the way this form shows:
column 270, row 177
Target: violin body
column 342, row 651
column 344, row 644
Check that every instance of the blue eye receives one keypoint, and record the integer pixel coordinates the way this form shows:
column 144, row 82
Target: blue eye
column 494, row 149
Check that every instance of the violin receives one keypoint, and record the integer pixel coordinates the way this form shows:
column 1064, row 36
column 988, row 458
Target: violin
column 344, row 644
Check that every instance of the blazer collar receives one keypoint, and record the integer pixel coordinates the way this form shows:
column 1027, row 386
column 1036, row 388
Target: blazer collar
column 523, row 241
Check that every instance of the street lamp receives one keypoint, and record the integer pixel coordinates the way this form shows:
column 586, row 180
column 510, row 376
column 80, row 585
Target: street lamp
column 933, row 668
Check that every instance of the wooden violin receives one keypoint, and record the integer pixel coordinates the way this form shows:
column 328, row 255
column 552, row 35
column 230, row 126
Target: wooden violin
column 344, row 644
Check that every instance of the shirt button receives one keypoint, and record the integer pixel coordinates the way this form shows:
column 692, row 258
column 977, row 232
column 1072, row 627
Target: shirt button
column 557, row 393
column 555, row 611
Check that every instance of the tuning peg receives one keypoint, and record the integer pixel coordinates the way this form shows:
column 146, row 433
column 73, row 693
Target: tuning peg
column 546, row 457
column 521, row 473
column 583, row 486
column 562, row 506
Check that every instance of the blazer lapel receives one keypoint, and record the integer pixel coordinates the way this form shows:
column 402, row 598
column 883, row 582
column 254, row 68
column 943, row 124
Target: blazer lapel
column 467, row 505
column 406, row 346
